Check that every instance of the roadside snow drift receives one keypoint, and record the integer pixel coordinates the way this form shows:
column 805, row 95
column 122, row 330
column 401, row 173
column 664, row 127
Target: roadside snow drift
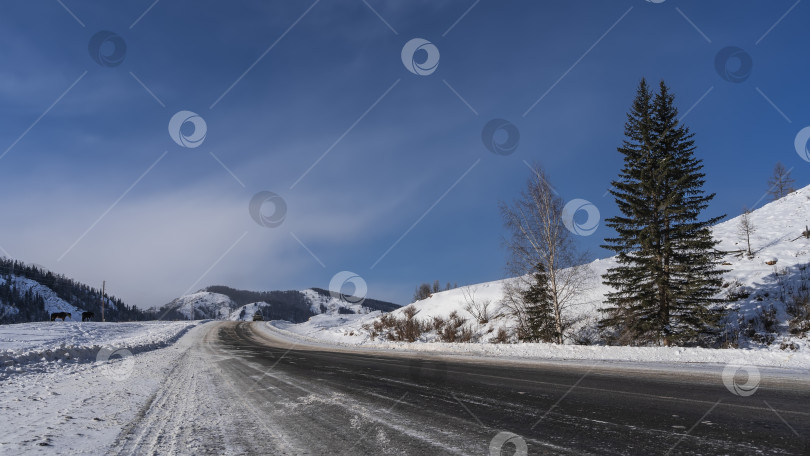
column 47, row 345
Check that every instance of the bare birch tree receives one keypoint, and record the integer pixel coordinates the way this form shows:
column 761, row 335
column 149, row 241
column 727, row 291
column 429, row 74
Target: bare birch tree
column 746, row 228
column 538, row 238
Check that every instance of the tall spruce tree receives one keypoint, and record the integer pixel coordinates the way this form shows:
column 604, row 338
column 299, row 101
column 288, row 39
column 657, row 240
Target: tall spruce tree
column 540, row 316
column 667, row 275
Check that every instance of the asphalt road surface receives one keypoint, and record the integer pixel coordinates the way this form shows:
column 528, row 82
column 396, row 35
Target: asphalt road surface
column 241, row 390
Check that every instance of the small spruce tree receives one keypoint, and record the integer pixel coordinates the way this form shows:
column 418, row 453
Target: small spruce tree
column 541, row 325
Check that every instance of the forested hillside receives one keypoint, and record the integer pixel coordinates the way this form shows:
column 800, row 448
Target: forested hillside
column 31, row 293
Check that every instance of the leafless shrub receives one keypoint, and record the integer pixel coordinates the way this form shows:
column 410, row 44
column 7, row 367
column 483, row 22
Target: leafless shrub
column 798, row 309
column 465, row 334
column 730, row 337
column 455, row 329
column 478, row 308
column 761, row 327
column 737, row 291
column 587, row 333
column 438, row 323
column 372, row 333
column 406, row 329
column 788, row 346
column 410, row 312
column 502, row 337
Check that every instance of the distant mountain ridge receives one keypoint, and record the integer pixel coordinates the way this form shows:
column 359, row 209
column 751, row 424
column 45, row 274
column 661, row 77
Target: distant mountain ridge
column 31, row 293
column 220, row 302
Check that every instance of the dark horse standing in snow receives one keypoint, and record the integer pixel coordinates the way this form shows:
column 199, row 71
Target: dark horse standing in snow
column 61, row 315
column 87, row 316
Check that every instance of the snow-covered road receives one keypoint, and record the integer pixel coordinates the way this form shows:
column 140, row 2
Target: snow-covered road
column 243, row 388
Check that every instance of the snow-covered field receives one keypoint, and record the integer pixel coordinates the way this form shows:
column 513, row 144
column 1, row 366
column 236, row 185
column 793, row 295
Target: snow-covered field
column 64, row 406
column 48, row 346
column 781, row 258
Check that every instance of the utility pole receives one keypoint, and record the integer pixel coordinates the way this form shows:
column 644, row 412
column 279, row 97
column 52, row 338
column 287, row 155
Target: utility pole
column 103, row 287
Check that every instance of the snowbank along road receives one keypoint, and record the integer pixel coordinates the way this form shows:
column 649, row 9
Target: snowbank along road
column 238, row 388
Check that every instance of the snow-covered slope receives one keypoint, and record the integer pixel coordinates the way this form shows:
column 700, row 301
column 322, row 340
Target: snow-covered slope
column 205, row 304
column 329, row 305
column 778, row 267
column 246, row 312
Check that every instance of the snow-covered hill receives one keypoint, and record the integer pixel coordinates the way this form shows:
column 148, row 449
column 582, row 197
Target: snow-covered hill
column 246, row 312
column 319, row 304
column 778, row 270
column 203, row 305
column 323, row 303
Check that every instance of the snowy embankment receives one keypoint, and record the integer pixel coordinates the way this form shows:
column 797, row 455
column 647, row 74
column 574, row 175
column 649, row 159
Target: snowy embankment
column 661, row 356
column 778, row 270
column 43, row 345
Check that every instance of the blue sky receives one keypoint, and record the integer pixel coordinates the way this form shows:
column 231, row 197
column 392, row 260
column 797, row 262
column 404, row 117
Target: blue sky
column 97, row 189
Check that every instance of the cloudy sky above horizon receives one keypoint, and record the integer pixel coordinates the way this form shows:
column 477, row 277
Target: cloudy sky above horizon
column 382, row 170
